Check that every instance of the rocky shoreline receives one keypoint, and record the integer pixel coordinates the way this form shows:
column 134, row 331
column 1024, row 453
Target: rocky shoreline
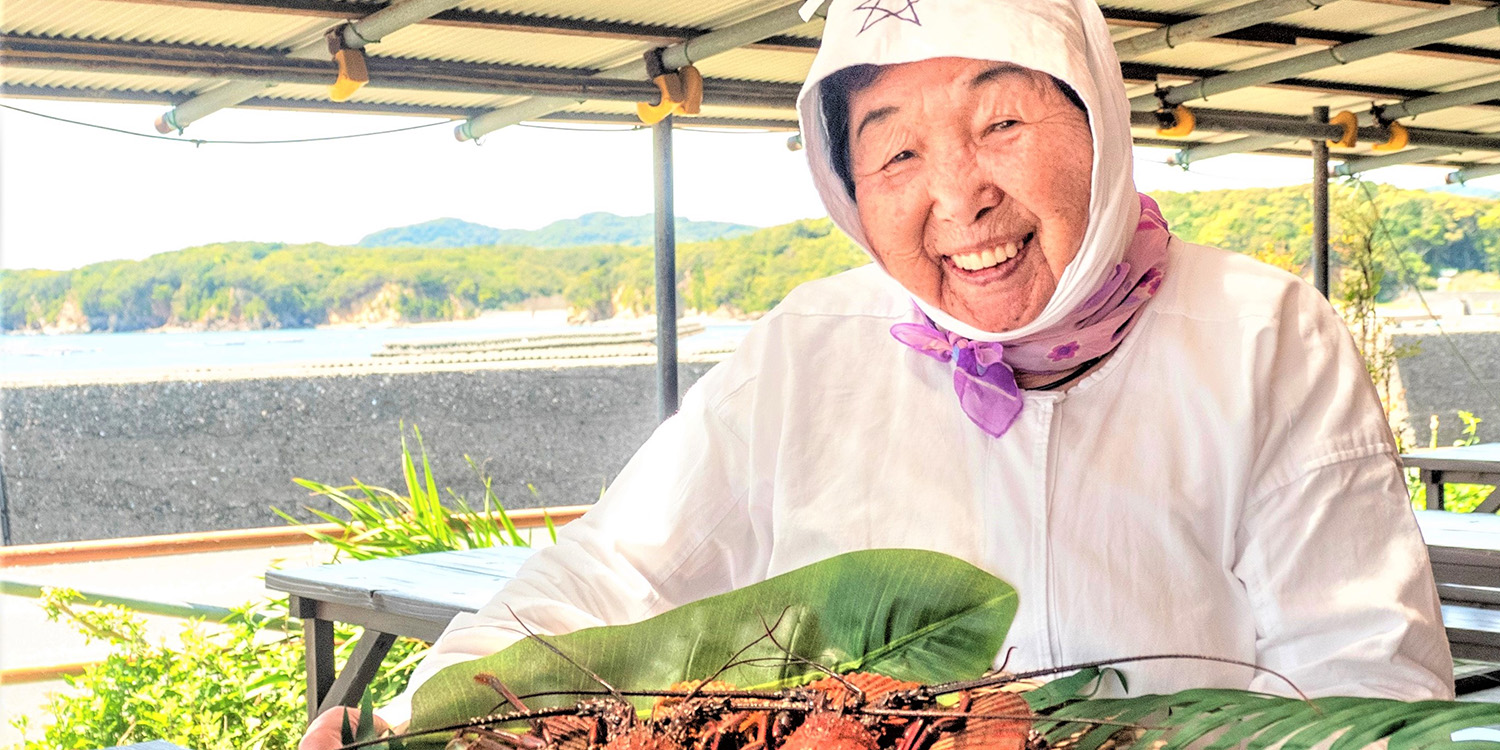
column 105, row 460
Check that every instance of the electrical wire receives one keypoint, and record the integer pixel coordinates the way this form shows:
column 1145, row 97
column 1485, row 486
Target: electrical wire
column 1406, row 277
column 216, row 142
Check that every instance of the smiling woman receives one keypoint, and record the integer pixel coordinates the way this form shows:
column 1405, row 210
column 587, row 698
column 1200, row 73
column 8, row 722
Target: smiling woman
column 972, row 181
column 1164, row 448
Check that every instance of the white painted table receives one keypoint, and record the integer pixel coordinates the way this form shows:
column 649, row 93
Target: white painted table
column 412, row 596
column 1470, row 464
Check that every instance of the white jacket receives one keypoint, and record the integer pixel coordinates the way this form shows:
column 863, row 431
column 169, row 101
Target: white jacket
column 1224, row 484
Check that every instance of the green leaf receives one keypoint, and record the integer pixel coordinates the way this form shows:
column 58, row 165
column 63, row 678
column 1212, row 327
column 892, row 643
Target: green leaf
column 1253, row 720
column 910, row 614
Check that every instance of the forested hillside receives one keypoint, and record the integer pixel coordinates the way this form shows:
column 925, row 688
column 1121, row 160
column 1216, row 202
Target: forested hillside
column 1438, row 229
column 259, row 285
column 598, row 228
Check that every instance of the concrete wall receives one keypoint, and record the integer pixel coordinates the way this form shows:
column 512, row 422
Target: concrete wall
column 102, row 461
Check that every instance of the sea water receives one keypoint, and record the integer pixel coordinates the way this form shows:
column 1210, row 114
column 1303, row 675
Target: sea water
column 82, row 354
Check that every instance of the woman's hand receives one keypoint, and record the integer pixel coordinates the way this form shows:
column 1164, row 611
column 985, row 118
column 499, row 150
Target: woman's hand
column 326, row 731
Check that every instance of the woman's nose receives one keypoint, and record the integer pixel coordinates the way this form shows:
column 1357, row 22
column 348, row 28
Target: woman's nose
column 962, row 193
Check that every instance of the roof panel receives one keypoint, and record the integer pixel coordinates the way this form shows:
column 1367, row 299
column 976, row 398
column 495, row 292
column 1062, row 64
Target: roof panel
column 137, row 22
column 373, row 94
column 507, row 47
column 1407, row 71
column 688, row 13
column 92, row 80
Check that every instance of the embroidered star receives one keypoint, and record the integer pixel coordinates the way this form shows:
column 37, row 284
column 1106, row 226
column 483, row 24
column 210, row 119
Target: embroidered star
column 876, row 11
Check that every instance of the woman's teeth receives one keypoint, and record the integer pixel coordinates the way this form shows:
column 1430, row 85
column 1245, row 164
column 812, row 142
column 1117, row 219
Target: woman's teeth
column 993, row 257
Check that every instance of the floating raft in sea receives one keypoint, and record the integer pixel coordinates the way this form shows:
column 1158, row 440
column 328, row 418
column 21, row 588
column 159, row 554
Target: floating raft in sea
column 570, row 345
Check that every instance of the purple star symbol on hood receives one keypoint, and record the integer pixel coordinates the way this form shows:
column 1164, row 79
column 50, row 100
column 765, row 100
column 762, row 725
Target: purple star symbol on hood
column 879, row 10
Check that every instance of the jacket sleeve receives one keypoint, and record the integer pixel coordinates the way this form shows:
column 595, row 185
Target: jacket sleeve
column 1340, row 582
column 673, row 527
column 1327, row 546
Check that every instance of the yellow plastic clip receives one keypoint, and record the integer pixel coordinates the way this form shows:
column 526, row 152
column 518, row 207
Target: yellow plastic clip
column 352, row 74
column 1176, row 122
column 1350, row 124
column 1398, row 138
column 681, row 91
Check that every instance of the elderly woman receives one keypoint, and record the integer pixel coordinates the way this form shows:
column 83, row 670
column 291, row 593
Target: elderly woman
column 1163, row 447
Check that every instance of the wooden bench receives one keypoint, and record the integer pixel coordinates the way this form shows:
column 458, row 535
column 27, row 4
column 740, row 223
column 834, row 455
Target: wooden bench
column 1465, row 464
column 1465, row 552
column 416, row 596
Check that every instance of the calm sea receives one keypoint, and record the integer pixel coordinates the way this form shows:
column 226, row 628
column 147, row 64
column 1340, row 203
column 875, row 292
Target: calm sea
column 90, row 353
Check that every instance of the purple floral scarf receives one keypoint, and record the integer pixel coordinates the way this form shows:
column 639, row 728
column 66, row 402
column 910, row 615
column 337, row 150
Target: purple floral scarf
column 984, row 373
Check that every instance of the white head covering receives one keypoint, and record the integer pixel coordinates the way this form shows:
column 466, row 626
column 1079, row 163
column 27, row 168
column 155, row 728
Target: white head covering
column 1067, row 39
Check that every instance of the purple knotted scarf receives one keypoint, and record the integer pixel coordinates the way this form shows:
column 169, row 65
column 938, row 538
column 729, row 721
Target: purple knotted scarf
column 984, row 372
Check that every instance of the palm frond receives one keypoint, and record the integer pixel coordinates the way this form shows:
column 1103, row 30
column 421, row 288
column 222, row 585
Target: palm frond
column 1226, row 719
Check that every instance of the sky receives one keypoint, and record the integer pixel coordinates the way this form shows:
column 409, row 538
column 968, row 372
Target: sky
column 73, row 195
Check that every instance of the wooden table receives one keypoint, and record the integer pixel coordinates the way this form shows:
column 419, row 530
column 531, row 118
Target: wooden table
column 1465, row 553
column 416, row 596
column 411, row 596
column 1470, row 464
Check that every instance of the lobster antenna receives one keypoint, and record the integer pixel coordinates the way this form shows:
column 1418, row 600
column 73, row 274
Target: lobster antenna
column 731, row 662
column 921, row 713
column 468, row 724
column 809, row 662
column 494, row 683
column 591, row 673
column 951, row 687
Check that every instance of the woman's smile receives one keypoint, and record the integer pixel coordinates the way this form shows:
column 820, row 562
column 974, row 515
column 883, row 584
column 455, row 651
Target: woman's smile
column 972, row 181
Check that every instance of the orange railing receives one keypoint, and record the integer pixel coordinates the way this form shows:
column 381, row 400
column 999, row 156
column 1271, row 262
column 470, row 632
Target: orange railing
column 219, row 541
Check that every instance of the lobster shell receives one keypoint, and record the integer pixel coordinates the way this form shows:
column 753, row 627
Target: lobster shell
column 990, row 734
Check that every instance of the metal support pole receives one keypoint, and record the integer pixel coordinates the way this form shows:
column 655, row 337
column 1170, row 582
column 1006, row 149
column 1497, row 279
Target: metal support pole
column 1320, row 205
column 666, row 271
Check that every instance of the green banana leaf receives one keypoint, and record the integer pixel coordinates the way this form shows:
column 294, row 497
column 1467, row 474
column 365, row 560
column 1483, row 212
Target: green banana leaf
column 1230, row 719
column 910, row 614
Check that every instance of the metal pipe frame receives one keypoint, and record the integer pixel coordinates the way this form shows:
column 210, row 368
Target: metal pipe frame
column 1295, row 128
column 1211, row 25
column 1472, row 173
column 356, row 35
column 666, row 270
column 1320, row 205
column 1324, row 58
column 674, row 57
column 489, row 21
column 188, row 61
column 1387, row 113
column 1265, row 34
column 1407, row 156
column 21, row 91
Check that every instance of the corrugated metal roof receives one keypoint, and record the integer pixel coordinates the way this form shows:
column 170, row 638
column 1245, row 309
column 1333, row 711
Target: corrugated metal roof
column 139, row 22
column 487, row 32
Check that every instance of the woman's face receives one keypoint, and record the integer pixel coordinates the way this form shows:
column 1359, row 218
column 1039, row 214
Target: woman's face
column 972, row 182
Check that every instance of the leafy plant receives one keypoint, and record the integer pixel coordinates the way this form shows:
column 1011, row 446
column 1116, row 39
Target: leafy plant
column 911, row 614
column 386, row 523
column 238, row 684
column 1231, row 719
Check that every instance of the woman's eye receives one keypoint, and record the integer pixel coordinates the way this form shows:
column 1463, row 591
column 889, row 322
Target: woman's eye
column 903, row 156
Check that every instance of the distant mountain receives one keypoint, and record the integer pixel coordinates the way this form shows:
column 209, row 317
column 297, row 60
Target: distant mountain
column 598, row 228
